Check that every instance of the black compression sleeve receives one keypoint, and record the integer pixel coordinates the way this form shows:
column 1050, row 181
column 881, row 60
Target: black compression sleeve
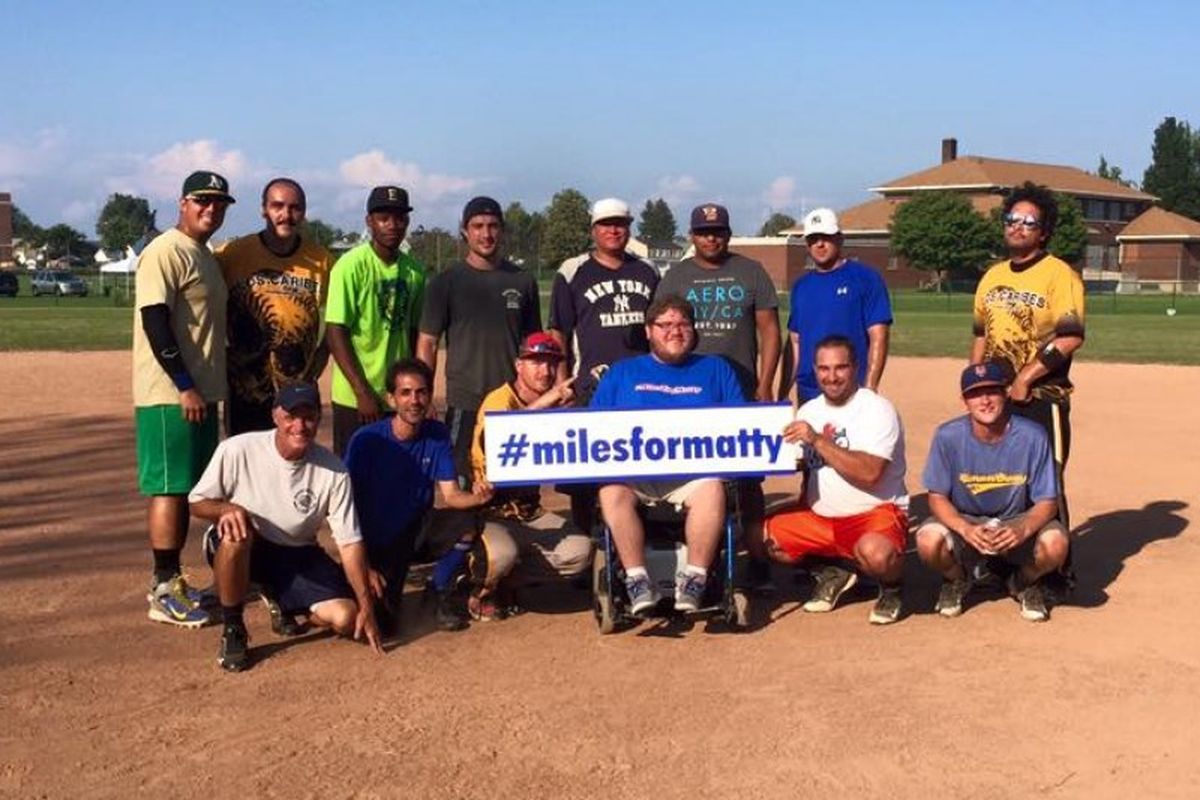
column 156, row 322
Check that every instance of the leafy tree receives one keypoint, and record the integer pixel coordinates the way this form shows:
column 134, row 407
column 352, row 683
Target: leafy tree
column 25, row 229
column 566, row 230
column 63, row 240
column 657, row 224
column 1174, row 171
column 433, row 247
column 1113, row 173
column 321, row 232
column 775, row 223
column 942, row 233
column 523, row 233
column 123, row 220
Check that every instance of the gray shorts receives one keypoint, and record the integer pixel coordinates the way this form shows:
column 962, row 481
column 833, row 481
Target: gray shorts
column 968, row 557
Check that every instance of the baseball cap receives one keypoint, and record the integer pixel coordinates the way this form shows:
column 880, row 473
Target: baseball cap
column 540, row 344
column 480, row 206
column 610, row 208
column 988, row 373
column 388, row 198
column 203, row 183
column 822, row 221
column 710, row 215
column 295, row 395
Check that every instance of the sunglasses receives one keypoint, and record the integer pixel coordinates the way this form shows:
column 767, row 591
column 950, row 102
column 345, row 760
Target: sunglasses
column 541, row 349
column 1026, row 221
column 205, row 201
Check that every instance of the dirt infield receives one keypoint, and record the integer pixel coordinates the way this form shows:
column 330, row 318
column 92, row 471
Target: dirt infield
column 1100, row 702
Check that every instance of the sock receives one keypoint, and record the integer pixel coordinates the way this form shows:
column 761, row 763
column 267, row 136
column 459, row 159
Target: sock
column 232, row 615
column 166, row 565
column 449, row 565
column 692, row 570
column 633, row 573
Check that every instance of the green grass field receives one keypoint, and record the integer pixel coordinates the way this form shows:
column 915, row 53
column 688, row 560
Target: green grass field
column 1120, row 329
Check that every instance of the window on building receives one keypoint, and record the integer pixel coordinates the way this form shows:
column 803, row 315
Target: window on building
column 1095, row 256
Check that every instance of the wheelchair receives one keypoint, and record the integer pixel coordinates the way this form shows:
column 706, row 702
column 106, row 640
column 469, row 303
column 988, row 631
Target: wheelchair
column 666, row 554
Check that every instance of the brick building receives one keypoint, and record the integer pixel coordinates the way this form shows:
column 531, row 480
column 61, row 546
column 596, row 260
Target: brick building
column 1161, row 246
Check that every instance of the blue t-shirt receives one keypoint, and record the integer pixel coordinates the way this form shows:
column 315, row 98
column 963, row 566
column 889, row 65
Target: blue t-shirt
column 844, row 301
column 646, row 382
column 393, row 480
column 1000, row 480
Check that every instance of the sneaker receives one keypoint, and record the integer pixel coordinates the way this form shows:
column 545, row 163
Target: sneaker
column 887, row 607
column 758, row 578
column 642, row 594
column 448, row 617
column 1033, row 603
column 172, row 602
column 235, row 648
column 282, row 623
column 950, row 598
column 832, row 583
column 484, row 609
column 689, row 592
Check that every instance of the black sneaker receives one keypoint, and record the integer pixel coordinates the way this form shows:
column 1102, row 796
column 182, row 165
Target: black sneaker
column 950, row 599
column 888, row 607
column 235, row 648
column 449, row 618
column 832, row 583
column 282, row 623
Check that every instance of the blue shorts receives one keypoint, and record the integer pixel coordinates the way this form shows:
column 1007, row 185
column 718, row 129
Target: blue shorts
column 297, row 577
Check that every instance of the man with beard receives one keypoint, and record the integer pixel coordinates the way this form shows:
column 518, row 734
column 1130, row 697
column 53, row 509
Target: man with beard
column 375, row 295
column 669, row 376
column 277, row 284
column 484, row 306
column 520, row 538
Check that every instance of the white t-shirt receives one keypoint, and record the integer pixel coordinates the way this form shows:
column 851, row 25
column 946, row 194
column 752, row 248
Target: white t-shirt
column 288, row 500
column 867, row 423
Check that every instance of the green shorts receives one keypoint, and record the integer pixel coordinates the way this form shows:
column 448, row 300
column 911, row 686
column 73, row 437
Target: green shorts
column 172, row 452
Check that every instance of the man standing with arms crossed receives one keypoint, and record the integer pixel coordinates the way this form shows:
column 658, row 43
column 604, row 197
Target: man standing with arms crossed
column 375, row 295
column 178, row 379
column 737, row 316
column 277, row 285
column 841, row 297
column 484, row 305
column 1029, row 313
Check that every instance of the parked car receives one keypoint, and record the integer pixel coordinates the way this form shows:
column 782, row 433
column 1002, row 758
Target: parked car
column 8, row 283
column 57, row 282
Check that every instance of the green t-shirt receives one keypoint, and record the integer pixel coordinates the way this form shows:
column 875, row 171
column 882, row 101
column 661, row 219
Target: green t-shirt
column 379, row 305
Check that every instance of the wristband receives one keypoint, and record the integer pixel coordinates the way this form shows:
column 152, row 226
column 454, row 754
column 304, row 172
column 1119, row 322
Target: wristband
column 1051, row 357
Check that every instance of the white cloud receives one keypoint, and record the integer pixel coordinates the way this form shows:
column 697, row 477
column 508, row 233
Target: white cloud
column 677, row 189
column 373, row 168
column 20, row 160
column 160, row 175
column 780, row 195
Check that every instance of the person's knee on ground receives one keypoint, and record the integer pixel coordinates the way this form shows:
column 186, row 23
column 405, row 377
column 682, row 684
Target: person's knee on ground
column 497, row 550
column 338, row 614
column 878, row 557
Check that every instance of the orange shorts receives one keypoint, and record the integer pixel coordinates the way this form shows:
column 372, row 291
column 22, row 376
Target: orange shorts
column 802, row 532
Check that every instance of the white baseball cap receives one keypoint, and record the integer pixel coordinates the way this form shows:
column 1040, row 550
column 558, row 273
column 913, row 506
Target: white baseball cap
column 610, row 208
column 821, row 220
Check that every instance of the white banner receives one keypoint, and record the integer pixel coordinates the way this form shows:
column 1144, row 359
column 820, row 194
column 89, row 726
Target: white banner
column 578, row 446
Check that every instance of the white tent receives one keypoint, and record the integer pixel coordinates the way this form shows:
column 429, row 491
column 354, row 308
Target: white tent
column 127, row 266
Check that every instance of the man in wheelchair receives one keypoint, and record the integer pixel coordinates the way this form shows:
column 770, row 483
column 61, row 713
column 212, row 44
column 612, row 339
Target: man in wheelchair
column 669, row 376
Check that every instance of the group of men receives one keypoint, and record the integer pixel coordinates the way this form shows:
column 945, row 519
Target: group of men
column 253, row 325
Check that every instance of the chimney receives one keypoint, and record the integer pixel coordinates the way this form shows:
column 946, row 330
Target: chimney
column 949, row 150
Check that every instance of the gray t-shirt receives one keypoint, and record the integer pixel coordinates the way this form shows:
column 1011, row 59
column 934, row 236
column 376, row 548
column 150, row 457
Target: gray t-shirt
column 288, row 500
column 484, row 314
column 725, row 299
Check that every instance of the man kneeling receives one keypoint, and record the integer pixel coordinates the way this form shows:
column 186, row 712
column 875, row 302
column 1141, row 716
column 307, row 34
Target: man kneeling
column 522, row 540
column 669, row 376
column 992, row 495
column 268, row 493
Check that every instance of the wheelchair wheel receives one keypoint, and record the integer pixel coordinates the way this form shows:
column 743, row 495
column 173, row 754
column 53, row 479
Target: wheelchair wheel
column 737, row 614
column 602, row 601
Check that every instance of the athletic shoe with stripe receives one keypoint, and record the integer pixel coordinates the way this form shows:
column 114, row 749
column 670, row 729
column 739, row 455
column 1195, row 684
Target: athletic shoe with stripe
column 951, row 597
column 832, row 583
column 689, row 592
column 888, row 607
column 172, row 602
column 234, row 655
column 642, row 594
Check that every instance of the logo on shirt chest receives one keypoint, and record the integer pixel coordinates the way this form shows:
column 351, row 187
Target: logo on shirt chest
column 512, row 299
column 843, row 291
column 304, row 501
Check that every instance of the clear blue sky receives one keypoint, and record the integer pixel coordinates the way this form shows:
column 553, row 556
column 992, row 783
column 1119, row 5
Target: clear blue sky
column 761, row 105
